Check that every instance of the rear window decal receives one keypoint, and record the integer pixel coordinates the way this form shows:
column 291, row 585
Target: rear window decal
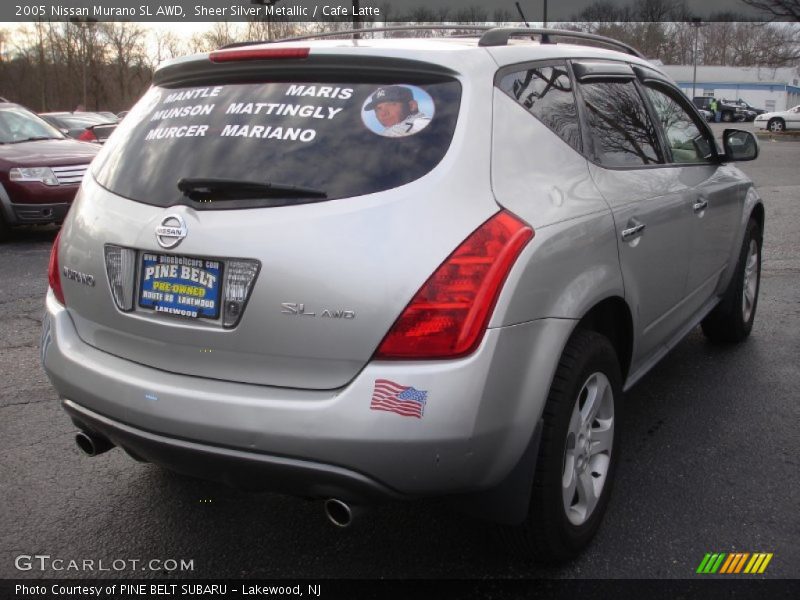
column 398, row 110
column 274, row 131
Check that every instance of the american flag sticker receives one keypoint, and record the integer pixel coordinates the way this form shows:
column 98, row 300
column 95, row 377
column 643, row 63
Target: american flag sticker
column 401, row 399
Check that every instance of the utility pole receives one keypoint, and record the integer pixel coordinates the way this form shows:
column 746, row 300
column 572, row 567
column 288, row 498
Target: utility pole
column 697, row 23
column 83, row 23
column 356, row 19
column 544, row 15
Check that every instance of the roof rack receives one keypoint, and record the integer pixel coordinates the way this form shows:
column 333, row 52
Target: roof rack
column 355, row 32
column 498, row 36
column 491, row 36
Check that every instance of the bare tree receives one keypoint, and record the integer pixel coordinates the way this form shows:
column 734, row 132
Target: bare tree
column 779, row 9
column 127, row 54
column 661, row 29
column 270, row 29
column 167, row 45
column 221, row 34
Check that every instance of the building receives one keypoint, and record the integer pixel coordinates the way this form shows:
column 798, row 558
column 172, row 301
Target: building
column 763, row 87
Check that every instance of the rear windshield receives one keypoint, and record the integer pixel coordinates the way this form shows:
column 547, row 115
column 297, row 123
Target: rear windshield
column 341, row 139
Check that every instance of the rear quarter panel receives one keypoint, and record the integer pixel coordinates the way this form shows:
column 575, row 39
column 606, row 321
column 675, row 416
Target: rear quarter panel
column 572, row 262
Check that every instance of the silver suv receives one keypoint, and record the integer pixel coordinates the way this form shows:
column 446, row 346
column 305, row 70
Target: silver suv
column 399, row 268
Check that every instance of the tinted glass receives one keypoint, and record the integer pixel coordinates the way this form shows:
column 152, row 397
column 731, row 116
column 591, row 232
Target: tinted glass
column 305, row 134
column 81, row 120
column 546, row 92
column 687, row 144
column 622, row 132
column 18, row 125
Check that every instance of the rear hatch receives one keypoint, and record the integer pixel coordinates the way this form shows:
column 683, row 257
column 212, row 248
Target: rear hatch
column 257, row 222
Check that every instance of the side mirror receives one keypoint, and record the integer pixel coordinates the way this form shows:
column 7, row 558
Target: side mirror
column 739, row 145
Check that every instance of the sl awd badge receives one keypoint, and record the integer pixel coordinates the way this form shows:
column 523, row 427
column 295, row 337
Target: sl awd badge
column 299, row 310
column 171, row 231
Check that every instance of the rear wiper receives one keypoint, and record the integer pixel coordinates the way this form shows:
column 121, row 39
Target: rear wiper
column 212, row 190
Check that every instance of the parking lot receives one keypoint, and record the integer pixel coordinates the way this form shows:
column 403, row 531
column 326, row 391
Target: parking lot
column 710, row 462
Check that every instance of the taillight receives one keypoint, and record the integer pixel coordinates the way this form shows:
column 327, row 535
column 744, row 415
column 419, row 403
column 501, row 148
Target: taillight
column 449, row 314
column 87, row 135
column 53, row 274
column 219, row 56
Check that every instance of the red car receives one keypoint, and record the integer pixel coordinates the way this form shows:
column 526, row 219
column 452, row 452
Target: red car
column 40, row 169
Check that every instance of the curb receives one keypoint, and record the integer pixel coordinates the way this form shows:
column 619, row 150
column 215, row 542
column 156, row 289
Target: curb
column 786, row 136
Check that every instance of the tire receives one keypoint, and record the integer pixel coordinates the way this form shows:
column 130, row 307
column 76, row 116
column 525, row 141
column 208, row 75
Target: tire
column 5, row 230
column 561, row 523
column 776, row 125
column 727, row 116
column 732, row 319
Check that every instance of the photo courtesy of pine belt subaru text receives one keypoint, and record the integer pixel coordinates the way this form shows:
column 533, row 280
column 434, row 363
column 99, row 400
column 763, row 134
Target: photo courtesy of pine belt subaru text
column 363, row 270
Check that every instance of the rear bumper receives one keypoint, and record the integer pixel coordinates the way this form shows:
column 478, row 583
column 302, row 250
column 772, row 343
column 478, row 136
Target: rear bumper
column 480, row 414
column 237, row 468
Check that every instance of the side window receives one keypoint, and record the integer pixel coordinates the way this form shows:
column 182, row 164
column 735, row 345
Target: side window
column 686, row 142
column 622, row 132
column 546, row 92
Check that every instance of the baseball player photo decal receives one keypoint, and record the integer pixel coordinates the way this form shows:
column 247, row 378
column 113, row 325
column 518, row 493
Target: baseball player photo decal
column 397, row 110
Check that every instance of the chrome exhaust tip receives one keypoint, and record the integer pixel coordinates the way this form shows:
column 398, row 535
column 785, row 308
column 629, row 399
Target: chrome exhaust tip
column 92, row 444
column 339, row 512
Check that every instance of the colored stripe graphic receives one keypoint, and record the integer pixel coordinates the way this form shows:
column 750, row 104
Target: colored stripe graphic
column 765, row 563
column 741, row 562
column 731, row 559
column 759, row 562
column 733, row 563
column 717, row 564
column 749, row 566
column 703, row 563
column 711, row 563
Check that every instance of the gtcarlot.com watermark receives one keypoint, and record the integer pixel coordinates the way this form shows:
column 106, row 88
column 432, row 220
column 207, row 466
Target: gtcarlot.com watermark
column 46, row 562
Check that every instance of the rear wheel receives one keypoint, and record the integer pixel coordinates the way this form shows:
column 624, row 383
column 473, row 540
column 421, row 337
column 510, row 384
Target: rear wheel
column 776, row 125
column 732, row 320
column 578, row 454
column 727, row 116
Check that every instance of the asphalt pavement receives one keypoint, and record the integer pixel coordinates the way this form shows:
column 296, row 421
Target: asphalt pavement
column 709, row 463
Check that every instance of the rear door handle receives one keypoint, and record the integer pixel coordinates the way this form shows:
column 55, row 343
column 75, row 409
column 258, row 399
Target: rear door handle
column 634, row 230
column 700, row 205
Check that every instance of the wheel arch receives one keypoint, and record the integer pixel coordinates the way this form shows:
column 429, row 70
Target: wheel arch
column 753, row 209
column 6, row 210
column 757, row 213
column 612, row 318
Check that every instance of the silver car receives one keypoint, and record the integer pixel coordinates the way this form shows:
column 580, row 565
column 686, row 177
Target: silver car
column 399, row 268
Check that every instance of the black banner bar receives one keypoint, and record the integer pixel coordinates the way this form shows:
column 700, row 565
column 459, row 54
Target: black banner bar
column 328, row 589
column 369, row 12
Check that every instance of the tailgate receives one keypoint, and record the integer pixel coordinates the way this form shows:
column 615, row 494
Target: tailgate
column 319, row 281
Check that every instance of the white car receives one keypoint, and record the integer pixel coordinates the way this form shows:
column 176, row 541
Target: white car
column 779, row 121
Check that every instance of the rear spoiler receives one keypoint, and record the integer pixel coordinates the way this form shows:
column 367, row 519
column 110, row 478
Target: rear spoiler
column 322, row 67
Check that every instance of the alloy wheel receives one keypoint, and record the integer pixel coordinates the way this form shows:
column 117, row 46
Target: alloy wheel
column 776, row 125
column 587, row 454
column 750, row 285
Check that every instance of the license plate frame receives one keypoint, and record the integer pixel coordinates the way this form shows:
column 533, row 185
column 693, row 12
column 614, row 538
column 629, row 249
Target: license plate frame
column 171, row 284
